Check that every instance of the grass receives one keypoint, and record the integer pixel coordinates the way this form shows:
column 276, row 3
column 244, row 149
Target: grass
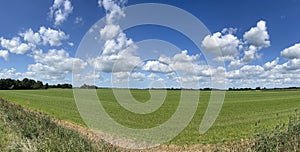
column 24, row 130
column 6, row 135
column 240, row 112
column 284, row 137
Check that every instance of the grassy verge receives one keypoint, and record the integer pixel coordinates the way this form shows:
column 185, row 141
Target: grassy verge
column 23, row 130
column 284, row 137
column 7, row 136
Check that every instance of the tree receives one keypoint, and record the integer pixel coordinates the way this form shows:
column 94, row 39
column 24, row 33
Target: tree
column 46, row 86
column 25, row 83
column 18, row 84
column 38, row 85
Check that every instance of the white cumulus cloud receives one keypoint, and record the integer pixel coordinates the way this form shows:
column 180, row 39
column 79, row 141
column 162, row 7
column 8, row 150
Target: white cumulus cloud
column 10, row 73
column 51, row 36
column 118, row 50
column 258, row 36
column 183, row 63
column 249, row 55
column 55, row 64
column 138, row 76
column 156, row 67
column 114, row 10
column 291, row 52
column 60, row 10
column 225, row 46
column 31, row 37
column 110, row 31
column 15, row 45
column 292, row 64
column 4, row 54
column 271, row 65
column 44, row 36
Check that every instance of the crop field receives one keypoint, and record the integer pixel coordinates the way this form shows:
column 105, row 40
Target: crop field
column 242, row 114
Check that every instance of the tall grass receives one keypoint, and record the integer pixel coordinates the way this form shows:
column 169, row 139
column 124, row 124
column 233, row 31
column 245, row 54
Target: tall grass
column 37, row 132
column 284, row 137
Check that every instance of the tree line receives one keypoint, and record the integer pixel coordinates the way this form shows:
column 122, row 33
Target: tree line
column 11, row 84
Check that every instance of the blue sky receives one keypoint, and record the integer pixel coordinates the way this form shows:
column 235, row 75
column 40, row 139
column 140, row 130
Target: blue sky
column 39, row 40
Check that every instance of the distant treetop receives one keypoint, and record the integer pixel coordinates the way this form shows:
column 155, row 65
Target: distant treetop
column 11, row 84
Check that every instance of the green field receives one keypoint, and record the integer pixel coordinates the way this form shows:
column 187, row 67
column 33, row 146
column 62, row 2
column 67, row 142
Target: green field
column 241, row 111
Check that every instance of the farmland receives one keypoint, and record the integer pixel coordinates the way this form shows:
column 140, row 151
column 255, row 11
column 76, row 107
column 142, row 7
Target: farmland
column 243, row 111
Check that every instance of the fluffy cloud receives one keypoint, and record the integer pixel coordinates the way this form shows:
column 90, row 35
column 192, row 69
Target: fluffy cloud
column 225, row 46
column 292, row 64
column 185, row 63
column 271, row 74
column 87, row 78
column 252, row 70
column 118, row 50
column 55, row 64
column 4, row 54
column 119, row 78
column 291, row 52
column 254, row 40
column 229, row 30
column 31, row 36
column 156, row 67
column 120, row 44
column 117, row 56
column 249, row 55
column 15, row 45
column 153, row 76
column 224, row 58
column 51, row 36
column 70, row 43
column 114, row 9
column 44, row 36
column 258, row 36
column 10, row 73
column 181, row 68
column 121, row 62
column 184, row 57
column 138, row 76
column 110, row 32
column 271, row 65
column 60, row 10
column 234, row 64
